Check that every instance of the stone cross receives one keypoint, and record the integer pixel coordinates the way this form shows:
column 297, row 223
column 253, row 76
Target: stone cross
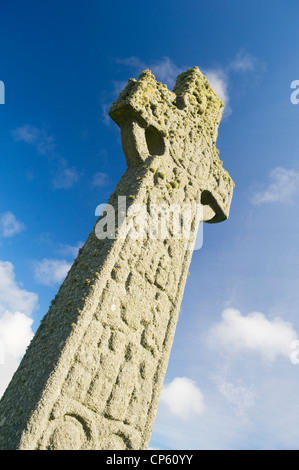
column 92, row 376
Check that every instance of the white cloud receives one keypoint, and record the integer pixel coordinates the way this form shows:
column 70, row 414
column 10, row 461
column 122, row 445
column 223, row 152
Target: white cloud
column 9, row 225
column 253, row 333
column 100, row 179
column 50, row 271
column 183, row 398
column 16, row 306
column 283, row 187
column 15, row 332
column 13, row 297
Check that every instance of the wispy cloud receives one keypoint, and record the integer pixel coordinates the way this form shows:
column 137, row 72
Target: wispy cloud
column 118, row 85
column 50, row 272
column 253, row 333
column 183, row 398
column 39, row 138
column 64, row 176
column 100, row 179
column 166, row 71
column 9, row 225
column 243, row 62
column 219, row 82
column 105, row 118
column 283, row 186
column 66, row 250
column 69, row 250
column 239, row 396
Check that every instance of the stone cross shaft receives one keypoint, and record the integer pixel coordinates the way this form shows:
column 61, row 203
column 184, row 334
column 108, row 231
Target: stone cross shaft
column 92, row 376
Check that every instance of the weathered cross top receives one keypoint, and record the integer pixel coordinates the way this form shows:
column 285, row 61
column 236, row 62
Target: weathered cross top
column 92, row 376
column 182, row 124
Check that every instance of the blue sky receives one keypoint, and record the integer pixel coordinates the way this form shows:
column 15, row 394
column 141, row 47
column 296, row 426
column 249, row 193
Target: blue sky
column 231, row 383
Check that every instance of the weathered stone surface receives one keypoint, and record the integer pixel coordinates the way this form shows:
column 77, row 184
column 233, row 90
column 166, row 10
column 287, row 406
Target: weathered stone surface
column 92, row 375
